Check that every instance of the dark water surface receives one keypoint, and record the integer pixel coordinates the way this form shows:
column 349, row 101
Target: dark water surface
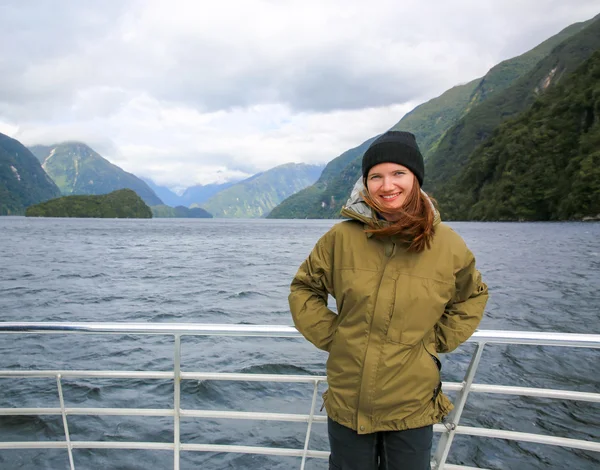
column 542, row 277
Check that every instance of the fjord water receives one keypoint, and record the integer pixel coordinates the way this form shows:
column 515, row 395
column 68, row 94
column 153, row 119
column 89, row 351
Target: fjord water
column 541, row 276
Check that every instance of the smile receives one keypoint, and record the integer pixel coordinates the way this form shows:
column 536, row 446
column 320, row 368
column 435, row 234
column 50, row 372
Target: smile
column 390, row 196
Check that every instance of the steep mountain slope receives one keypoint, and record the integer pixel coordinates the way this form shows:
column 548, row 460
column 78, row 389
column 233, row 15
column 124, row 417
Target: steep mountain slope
column 77, row 169
column 543, row 165
column 429, row 122
column 22, row 180
column 453, row 151
column 256, row 196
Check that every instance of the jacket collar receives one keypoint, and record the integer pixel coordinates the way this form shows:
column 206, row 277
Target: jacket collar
column 356, row 208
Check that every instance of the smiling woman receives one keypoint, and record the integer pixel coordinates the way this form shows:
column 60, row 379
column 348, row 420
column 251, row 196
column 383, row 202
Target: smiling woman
column 406, row 289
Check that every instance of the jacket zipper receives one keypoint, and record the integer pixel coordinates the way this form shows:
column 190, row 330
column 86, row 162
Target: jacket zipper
column 387, row 259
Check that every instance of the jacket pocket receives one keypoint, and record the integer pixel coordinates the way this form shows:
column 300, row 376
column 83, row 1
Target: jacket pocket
column 324, row 395
column 434, row 358
column 418, row 305
column 437, row 365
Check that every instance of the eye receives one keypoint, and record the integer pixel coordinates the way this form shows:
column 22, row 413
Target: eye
column 400, row 173
column 372, row 177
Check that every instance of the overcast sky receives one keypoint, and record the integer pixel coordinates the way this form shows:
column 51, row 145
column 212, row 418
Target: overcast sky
column 188, row 92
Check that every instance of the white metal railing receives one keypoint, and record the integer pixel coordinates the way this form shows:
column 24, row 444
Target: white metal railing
column 448, row 430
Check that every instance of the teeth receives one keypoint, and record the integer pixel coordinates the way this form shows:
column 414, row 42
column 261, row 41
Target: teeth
column 390, row 196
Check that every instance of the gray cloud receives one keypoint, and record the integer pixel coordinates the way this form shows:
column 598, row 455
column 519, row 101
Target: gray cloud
column 55, row 49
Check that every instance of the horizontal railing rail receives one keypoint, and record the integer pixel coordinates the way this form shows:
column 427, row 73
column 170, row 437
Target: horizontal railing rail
column 449, row 429
column 280, row 331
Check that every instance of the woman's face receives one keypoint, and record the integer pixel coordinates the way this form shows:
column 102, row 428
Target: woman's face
column 390, row 184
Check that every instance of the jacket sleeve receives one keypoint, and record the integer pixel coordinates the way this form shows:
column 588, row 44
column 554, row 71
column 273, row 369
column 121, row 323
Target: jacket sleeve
column 309, row 292
column 464, row 312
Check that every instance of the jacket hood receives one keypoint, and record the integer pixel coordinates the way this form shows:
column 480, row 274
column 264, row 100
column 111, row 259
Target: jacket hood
column 357, row 208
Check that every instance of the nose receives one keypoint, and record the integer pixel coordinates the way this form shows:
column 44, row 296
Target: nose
column 387, row 184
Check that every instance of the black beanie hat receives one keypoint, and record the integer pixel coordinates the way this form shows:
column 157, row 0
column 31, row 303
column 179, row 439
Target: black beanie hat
column 396, row 147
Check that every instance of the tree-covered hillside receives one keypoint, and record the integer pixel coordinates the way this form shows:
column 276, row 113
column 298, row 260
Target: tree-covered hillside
column 23, row 182
column 123, row 203
column 78, row 169
column 453, row 151
column 429, row 122
column 256, row 196
column 543, row 165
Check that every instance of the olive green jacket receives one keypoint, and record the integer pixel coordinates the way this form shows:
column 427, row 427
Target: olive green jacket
column 396, row 311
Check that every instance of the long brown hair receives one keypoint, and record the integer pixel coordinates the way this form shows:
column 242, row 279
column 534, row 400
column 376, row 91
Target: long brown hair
column 415, row 218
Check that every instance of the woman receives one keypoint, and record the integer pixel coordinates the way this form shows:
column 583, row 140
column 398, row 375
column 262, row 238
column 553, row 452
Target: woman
column 406, row 288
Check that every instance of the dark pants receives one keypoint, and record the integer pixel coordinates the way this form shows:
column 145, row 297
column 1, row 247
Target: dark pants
column 385, row 450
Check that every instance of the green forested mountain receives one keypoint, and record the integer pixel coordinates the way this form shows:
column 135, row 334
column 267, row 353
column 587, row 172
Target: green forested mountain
column 256, row 196
column 22, row 180
column 429, row 122
column 543, row 165
column 165, row 211
column 454, row 149
column 123, row 203
column 77, row 169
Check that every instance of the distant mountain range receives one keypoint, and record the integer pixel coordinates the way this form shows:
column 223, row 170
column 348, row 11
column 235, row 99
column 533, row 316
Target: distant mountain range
column 450, row 127
column 257, row 195
column 31, row 176
column 192, row 195
column 167, row 196
column 249, row 198
column 23, row 182
column 78, row 169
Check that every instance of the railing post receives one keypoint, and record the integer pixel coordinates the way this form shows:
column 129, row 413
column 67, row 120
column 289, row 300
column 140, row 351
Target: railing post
column 177, row 401
column 64, row 418
column 310, row 421
column 443, row 447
